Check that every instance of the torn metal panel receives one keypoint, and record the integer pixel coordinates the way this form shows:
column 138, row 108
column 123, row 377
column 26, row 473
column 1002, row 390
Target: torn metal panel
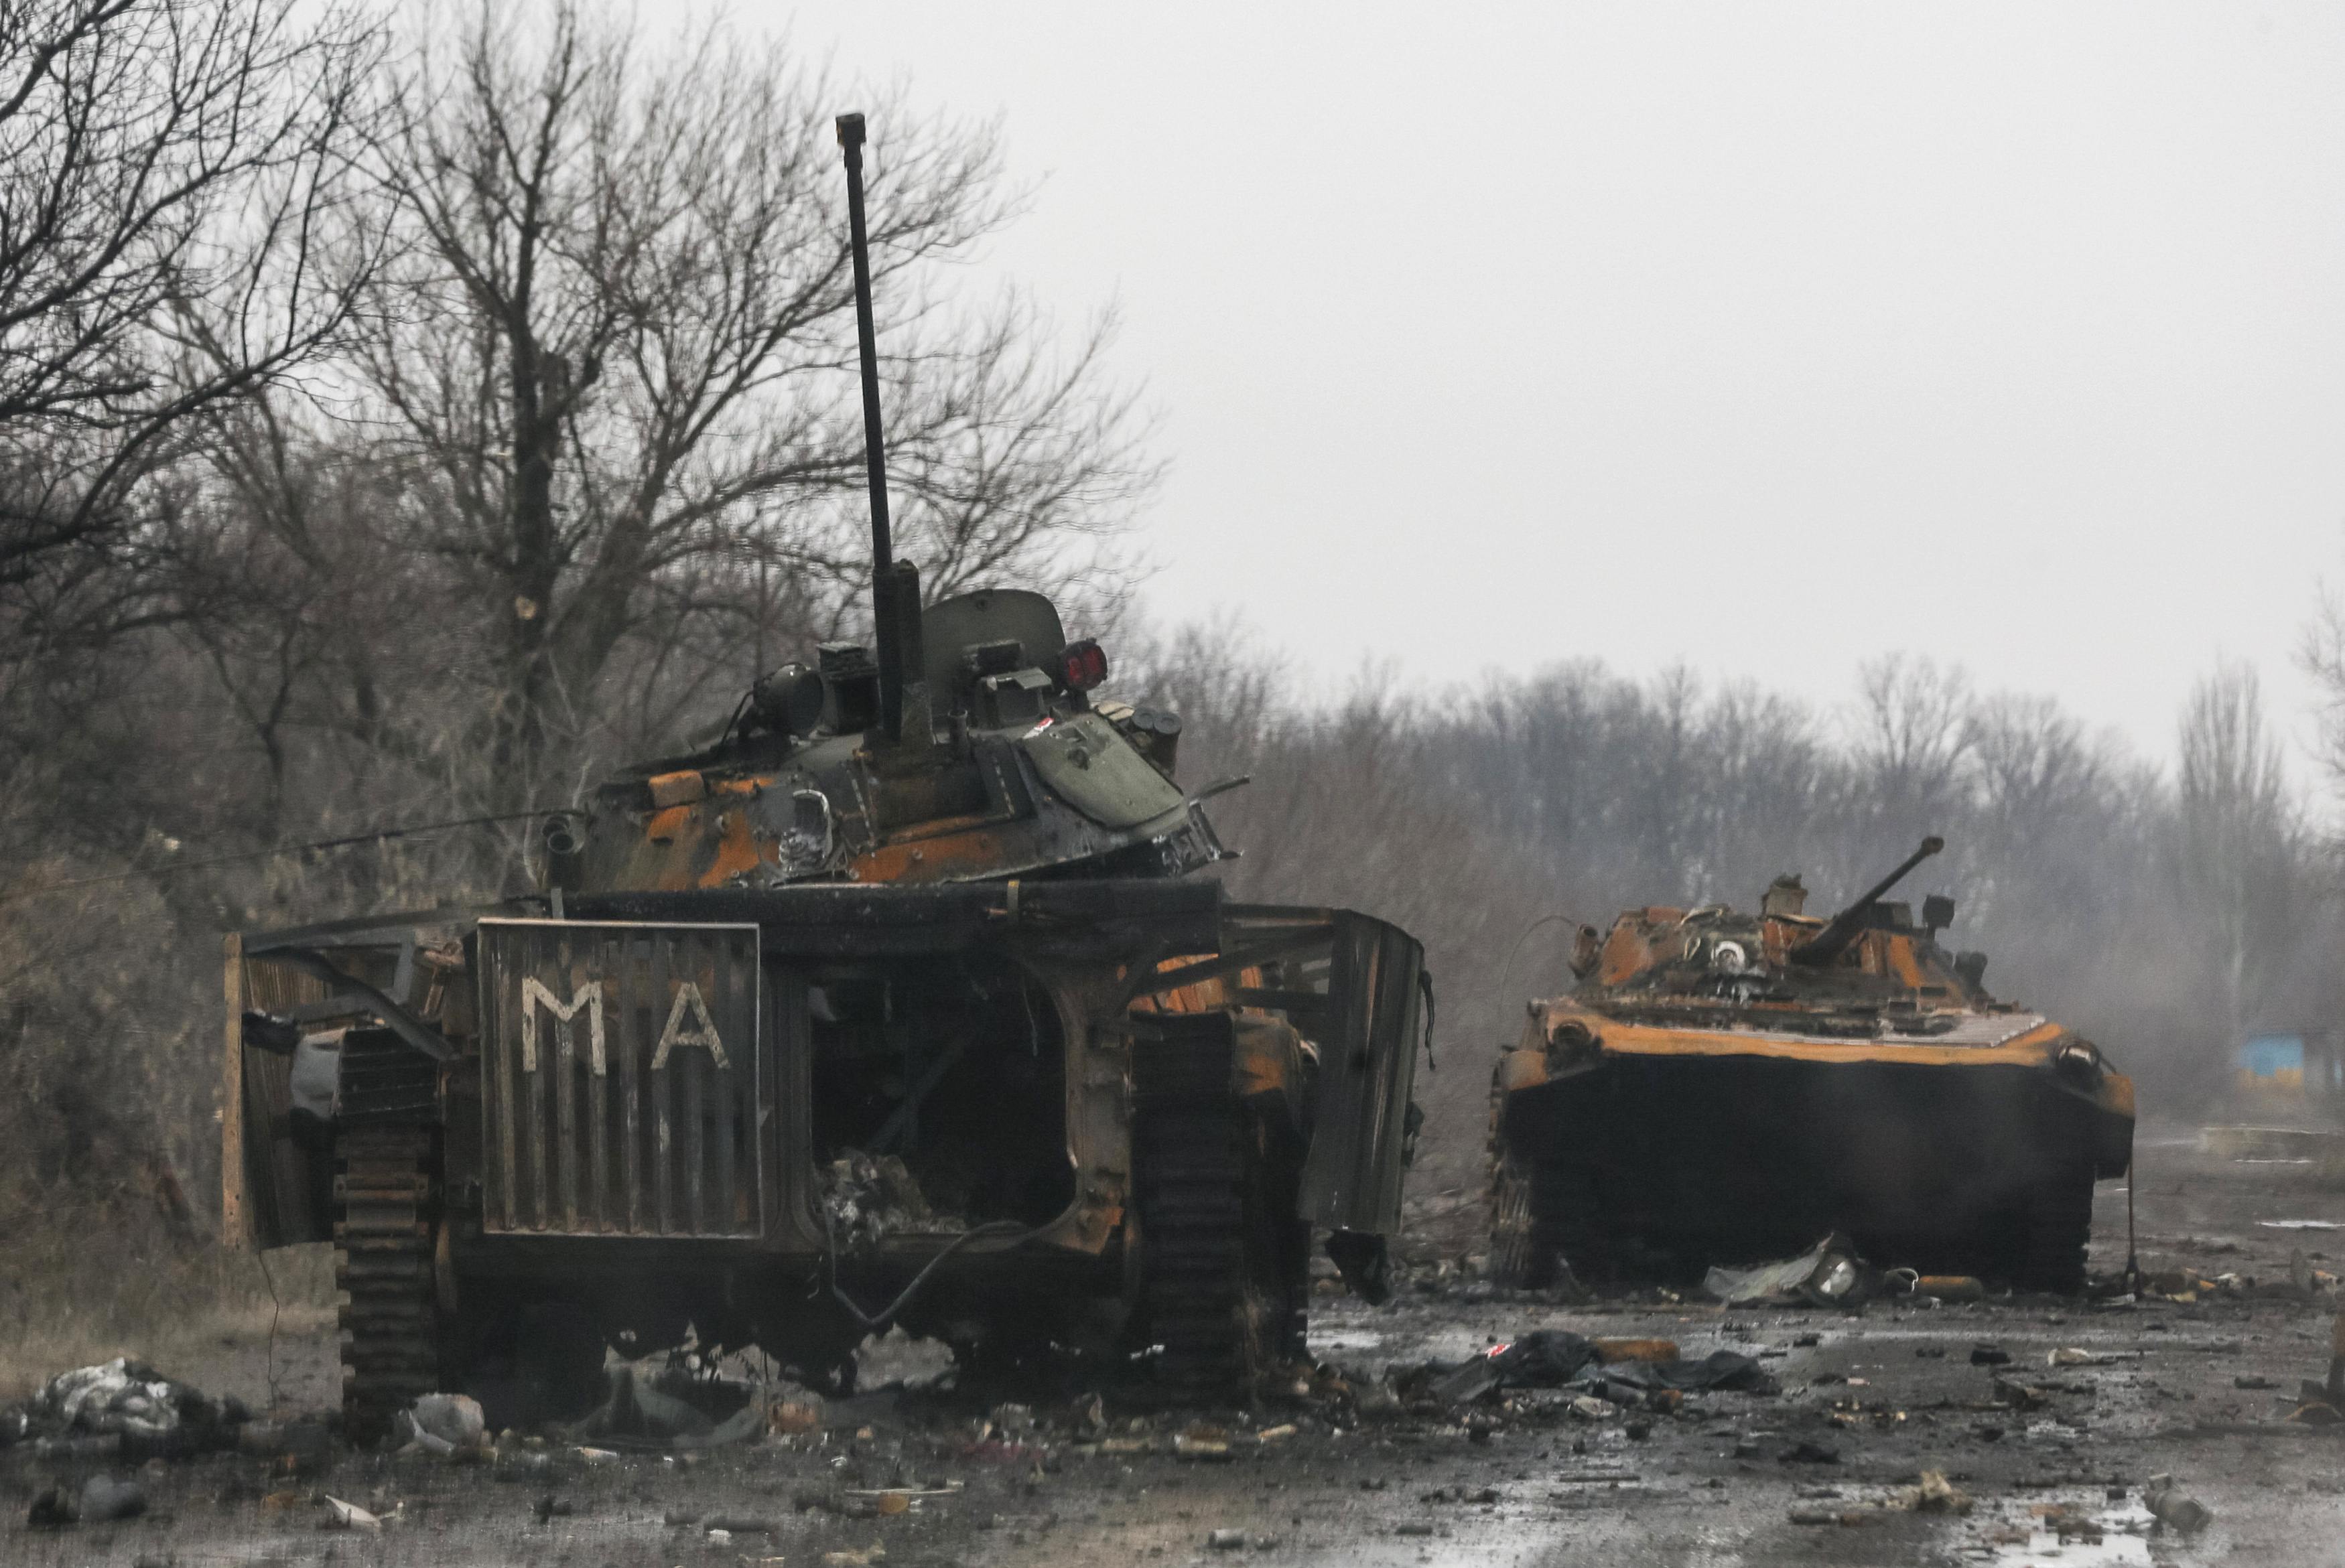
column 1367, row 1067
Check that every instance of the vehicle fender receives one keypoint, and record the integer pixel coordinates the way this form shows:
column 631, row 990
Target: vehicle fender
column 1273, row 1069
column 1519, row 1071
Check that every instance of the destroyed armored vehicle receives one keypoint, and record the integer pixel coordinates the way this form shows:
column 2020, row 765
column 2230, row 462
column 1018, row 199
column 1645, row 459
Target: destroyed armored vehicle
column 896, row 1004
column 1723, row 1087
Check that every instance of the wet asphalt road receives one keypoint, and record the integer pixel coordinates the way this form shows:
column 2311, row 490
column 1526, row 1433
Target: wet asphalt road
column 1886, row 1394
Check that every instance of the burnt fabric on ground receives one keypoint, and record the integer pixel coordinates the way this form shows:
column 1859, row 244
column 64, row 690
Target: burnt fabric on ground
column 671, row 1408
column 1729, row 1370
column 129, row 1400
column 1543, row 1359
column 1555, row 1358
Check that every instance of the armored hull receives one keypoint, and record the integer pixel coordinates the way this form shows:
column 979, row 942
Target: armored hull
column 1718, row 1090
column 1084, row 1112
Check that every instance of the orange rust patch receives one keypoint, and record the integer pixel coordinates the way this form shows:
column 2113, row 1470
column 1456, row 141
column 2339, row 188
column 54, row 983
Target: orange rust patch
column 2032, row 1048
column 737, row 849
column 931, row 859
column 1204, row 996
column 677, row 788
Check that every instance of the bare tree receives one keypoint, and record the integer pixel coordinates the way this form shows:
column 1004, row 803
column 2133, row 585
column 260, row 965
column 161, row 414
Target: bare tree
column 1911, row 739
column 2321, row 654
column 167, row 171
column 608, row 386
column 2237, row 841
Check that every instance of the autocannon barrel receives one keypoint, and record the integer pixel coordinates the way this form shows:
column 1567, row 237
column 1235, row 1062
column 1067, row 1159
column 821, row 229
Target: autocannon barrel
column 1831, row 941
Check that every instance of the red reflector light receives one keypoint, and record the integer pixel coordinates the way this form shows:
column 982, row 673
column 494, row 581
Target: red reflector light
column 1082, row 665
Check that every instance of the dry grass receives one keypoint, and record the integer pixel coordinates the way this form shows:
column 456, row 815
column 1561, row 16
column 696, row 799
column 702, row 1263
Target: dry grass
column 75, row 1294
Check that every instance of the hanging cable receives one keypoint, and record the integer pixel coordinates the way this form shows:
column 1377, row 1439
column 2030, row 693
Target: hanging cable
column 1516, row 952
column 380, row 836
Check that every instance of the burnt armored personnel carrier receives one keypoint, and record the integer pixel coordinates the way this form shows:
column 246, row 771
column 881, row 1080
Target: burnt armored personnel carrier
column 896, row 1004
column 1724, row 1087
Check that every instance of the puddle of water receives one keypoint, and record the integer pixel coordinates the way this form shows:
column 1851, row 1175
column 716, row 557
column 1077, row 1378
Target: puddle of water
column 2044, row 1550
column 1346, row 1340
column 2124, row 1543
column 2298, row 1225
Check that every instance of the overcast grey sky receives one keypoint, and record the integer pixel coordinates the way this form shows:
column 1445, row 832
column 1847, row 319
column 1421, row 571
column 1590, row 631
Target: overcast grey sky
column 1762, row 339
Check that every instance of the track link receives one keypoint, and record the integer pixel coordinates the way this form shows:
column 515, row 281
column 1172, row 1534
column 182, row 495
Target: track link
column 1215, row 1284
column 383, row 1267
column 1514, row 1261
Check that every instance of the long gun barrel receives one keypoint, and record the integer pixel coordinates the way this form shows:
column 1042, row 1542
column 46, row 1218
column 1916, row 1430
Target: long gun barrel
column 890, row 587
column 1832, row 941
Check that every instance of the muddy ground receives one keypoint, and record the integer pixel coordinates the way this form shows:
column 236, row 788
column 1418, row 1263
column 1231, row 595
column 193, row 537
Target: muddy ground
column 1868, row 1401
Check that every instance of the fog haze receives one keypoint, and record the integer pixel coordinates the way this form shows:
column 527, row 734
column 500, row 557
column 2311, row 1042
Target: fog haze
column 1761, row 343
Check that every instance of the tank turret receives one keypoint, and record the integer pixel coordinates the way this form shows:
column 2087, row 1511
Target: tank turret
column 963, row 744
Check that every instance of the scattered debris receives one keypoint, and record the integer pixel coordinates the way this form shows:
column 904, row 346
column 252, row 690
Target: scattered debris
column 1729, row 1371
column 1829, row 1274
column 1555, row 1358
column 787, row 1418
column 2184, row 1515
column 1202, row 1442
column 1543, row 1359
column 869, row 1197
column 741, row 1524
column 1987, row 1355
column 150, row 1414
column 656, row 1404
column 1610, row 1350
column 104, row 1498
column 340, row 1515
column 54, row 1509
column 445, row 1424
column 1934, row 1495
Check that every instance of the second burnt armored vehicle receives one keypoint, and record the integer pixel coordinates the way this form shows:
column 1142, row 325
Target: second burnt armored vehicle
column 895, row 1005
column 1724, row 1087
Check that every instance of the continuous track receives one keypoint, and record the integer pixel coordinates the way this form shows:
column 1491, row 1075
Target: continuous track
column 1219, row 1290
column 383, row 1266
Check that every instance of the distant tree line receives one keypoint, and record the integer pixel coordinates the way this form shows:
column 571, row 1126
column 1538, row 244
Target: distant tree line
column 2165, row 911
